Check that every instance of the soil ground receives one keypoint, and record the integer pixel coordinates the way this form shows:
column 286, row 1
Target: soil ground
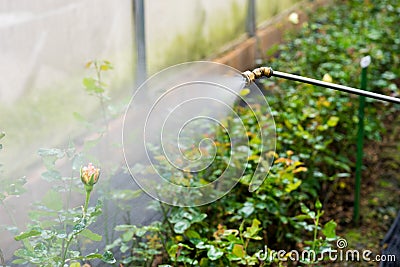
column 380, row 195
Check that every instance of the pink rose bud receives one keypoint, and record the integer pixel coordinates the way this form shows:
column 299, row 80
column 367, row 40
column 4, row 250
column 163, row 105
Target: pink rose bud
column 89, row 175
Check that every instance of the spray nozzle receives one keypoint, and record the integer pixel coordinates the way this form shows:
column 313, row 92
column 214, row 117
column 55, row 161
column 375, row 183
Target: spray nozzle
column 257, row 73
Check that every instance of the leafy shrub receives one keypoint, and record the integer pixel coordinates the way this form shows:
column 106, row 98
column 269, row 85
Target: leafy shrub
column 55, row 229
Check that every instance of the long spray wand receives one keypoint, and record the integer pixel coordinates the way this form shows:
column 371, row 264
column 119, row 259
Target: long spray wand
column 257, row 73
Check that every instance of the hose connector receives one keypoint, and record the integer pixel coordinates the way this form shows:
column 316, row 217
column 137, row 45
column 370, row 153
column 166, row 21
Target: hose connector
column 257, row 73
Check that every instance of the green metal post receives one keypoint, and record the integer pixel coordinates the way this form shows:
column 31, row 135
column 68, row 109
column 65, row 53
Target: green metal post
column 360, row 140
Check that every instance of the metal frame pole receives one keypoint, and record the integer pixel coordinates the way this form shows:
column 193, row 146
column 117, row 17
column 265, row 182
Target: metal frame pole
column 251, row 18
column 140, row 35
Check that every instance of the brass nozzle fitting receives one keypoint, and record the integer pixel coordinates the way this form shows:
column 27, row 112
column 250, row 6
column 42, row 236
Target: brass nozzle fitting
column 257, row 73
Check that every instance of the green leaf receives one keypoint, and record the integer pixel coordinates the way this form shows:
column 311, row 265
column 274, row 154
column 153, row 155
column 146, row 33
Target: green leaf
column 304, row 208
column 25, row 235
column 19, row 261
column 108, row 257
column 247, row 210
column 181, row 226
column 91, row 85
column 79, row 117
column 125, row 194
column 141, row 231
column 79, row 227
column 307, row 211
column 388, row 75
column 25, row 253
column 88, row 64
column 47, row 152
column 251, row 232
column 174, row 249
column 201, row 245
column 124, row 227
column 198, row 218
column 75, row 264
column 14, row 186
column 2, row 134
column 92, row 236
column 318, row 204
column 214, row 253
column 333, row 121
column 92, row 143
column 329, row 229
column 104, row 67
column 238, row 251
column 292, row 186
column 192, row 234
column 52, row 200
column 302, row 217
column 50, row 156
column 52, row 175
column 245, row 92
column 374, row 34
column 92, row 256
column 77, row 162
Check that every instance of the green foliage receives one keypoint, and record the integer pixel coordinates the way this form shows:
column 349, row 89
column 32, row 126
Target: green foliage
column 96, row 86
column 232, row 230
column 2, row 134
column 55, row 230
column 9, row 187
column 319, row 124
column 49, row 244
column 315, row 140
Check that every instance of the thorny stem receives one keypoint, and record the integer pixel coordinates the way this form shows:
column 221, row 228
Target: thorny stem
column 164, row 212
column 65, row 230
column 101, row 97
column 245, row 249
column 88, row 190
column 165, row 216
column 66, row 249
column 316, row 223
column 10, row 215
column 2, row 261
column 86, row 201
column 70, row 190
column 106, row 122
column 67, row 207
